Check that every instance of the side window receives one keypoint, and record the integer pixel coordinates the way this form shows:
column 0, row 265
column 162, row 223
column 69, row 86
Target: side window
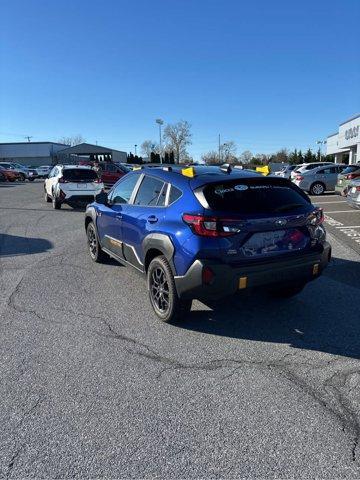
column 328, row 170
column 111, row 168
column 149, row 191
column 123, row 191
column 175, row 194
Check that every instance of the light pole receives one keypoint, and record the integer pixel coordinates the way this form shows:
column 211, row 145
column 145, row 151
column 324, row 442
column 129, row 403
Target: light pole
column 135, row 148
column 321, row 143
column 160, row 122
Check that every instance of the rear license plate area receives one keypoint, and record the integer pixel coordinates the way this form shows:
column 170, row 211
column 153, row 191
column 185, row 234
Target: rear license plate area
column 274, row 242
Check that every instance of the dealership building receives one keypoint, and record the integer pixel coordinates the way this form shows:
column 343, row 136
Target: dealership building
column 50, row 153
column 345, row 144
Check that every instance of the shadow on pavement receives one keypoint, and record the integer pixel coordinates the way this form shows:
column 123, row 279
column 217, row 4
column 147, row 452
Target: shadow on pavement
column 325, row 318
column 12, row 245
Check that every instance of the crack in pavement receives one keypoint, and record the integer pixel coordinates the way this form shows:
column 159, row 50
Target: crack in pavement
column 342, row 411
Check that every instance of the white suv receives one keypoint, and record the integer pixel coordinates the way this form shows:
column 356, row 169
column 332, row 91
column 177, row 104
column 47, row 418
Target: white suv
column 72, row 184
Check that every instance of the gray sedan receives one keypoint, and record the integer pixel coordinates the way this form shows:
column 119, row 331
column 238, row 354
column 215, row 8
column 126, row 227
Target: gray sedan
column 320, row 179
column 353, row 195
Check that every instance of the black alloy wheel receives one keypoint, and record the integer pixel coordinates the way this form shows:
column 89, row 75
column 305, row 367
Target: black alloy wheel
column 95, row 250
column 162, row 292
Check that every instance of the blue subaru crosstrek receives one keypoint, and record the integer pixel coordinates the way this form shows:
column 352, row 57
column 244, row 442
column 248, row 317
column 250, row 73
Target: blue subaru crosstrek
column 207, row 232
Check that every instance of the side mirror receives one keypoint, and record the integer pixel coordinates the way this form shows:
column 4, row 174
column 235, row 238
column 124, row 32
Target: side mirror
column 102, row 198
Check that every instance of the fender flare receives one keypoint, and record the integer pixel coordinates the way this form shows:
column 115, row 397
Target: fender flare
column 161, row 242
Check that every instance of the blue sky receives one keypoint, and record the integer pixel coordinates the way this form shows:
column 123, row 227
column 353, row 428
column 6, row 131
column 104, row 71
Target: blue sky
column 266, row 74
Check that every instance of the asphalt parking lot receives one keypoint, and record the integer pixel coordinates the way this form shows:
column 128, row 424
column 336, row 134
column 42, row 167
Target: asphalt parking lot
column 93, row 385
column 340, row 219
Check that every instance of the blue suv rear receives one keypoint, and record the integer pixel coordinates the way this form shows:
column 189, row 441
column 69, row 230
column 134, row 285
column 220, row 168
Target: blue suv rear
column 208, row 232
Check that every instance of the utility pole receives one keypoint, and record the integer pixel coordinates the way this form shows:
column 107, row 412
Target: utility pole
column 321, row 143
column 160, row 122
column 219, row 150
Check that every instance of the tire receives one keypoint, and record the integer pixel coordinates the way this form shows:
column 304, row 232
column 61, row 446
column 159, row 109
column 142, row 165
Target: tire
column 287, row 292
column 95, row 251
column 22, row 177
column 31, row 179
column 55, row 202
column 46, row 196
column 317, row 188
column 162, row 292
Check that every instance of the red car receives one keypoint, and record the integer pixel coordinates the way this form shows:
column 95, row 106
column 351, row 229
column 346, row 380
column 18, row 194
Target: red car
column 111, row 172
column 10, row 175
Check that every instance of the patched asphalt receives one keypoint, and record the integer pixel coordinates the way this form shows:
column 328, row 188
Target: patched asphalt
column 93, row 385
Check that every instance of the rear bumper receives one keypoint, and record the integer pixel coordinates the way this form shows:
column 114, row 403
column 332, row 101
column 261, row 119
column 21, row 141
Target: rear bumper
column 79, row 200
column 301, row 269
column 353, row 202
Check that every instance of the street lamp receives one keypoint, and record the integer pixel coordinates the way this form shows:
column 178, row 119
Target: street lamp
column 321, row 143
column 135, row 148
column 160, row 122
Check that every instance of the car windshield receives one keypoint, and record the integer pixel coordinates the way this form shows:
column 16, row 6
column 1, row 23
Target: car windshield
column 79, row 175
column 254, row 196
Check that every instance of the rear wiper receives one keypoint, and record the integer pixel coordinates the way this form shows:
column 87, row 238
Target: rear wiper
column 289, row 206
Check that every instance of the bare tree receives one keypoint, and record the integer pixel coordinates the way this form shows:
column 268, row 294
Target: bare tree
column 73, row 140
column 211, row 157
column 149, row 146
column 228, row 152
column 246, row 156
column 177, row 137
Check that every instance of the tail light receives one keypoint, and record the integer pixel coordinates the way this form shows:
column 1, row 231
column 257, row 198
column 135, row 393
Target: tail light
column 62, row 195
column 97, row 180
column 316, row 217
column 351, row 176
column 299, row 178
column 211, row 226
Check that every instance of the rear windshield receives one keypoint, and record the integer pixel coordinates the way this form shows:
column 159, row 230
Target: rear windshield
column 79, row 175
column 254, row 196
column 351, row 169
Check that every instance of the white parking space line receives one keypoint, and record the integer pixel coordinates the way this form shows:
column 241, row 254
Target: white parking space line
column 351, row 226
column 341, row 211
column 326, row 203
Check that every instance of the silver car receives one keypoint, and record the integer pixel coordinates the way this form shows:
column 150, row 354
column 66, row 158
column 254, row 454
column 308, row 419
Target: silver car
column 353, row 194
column 304, row 167
column 318, row 180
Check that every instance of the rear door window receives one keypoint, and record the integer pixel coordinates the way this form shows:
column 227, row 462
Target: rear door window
column 255, row 196
column 79, row 175
column 149, row 191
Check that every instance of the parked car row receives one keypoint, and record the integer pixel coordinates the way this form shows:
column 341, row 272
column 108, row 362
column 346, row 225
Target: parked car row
column 23, row 172
column 320, row 177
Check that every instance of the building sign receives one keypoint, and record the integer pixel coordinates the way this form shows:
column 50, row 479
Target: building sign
column 351, row 132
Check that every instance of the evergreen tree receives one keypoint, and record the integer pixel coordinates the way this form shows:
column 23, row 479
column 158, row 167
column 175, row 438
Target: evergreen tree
column 300, row 157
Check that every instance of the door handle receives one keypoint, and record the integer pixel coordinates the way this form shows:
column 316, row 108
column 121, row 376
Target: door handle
column 118, row 216
column 152, row 219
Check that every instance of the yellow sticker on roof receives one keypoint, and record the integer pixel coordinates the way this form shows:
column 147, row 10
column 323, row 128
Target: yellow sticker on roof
column 188, row 172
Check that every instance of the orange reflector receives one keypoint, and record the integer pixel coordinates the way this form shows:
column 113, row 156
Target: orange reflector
column 316, row 269
column 242, row 282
